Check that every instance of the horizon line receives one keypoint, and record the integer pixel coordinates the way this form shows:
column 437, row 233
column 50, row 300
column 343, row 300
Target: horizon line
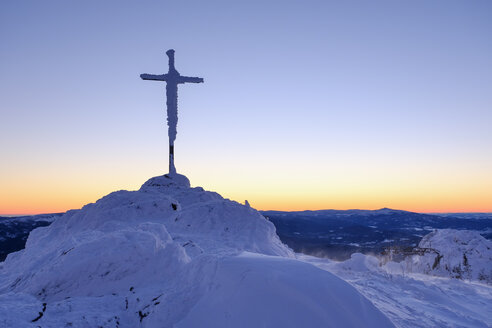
column 273, row 210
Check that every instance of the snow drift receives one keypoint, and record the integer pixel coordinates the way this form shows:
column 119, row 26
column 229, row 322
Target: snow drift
column 169, row 255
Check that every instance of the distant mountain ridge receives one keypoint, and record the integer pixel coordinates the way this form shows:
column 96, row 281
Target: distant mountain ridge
column 383, row 210
column 339, row 233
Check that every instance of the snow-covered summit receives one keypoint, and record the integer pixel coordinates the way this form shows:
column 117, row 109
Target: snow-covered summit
column 170, row 255
column 167, row 180
column 137, row 228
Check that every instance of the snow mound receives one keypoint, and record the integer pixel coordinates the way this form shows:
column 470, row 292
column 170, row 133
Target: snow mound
column 156, row 230
column 169, row 255
column 360, row 263
column 461, row 254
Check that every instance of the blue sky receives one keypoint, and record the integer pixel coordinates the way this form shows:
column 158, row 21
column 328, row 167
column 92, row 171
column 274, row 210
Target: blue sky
column 306, row 104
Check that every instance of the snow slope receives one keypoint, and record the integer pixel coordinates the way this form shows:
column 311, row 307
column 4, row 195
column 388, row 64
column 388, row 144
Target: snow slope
column 255, row 290
column 169, row 255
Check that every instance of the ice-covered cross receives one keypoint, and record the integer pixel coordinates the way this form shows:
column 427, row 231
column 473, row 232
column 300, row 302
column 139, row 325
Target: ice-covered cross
column 172, row 79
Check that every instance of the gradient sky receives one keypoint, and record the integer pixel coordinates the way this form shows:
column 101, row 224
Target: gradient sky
column 305, row 105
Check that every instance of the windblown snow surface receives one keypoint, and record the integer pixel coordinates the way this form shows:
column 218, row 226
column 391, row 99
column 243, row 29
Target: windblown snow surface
column 411, row 299
column 448, row 284
column 169, row 255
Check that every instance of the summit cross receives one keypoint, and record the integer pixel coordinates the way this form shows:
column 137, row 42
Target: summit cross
column 172, row 79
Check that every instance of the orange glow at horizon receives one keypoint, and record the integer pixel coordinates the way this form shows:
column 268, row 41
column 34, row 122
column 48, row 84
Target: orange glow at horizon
column 430, row 185
column 282, row 195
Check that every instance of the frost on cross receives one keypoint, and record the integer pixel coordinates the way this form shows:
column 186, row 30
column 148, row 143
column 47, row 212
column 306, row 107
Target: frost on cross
column 172, row 79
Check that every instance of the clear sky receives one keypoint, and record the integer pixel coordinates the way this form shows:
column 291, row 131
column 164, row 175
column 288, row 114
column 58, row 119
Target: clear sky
column 305, row 105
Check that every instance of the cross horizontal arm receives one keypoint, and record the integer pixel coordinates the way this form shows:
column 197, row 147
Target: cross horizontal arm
column 153, row 77
column 189, row 79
